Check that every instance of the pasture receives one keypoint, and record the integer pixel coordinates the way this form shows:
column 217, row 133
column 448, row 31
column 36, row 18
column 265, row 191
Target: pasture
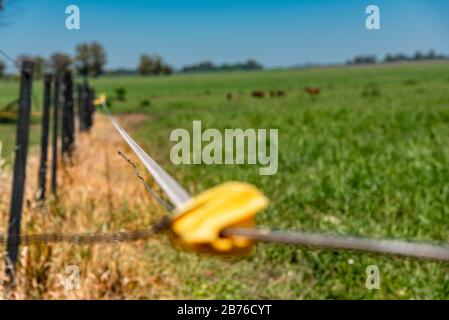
column 368, row 155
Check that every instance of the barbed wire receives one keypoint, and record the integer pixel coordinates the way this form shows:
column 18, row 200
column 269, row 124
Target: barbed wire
column 93, row 238
column 153, row 193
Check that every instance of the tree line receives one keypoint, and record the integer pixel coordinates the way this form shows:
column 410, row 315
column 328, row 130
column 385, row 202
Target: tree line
column 399, row 57
column 206, row 66
column 90, row 60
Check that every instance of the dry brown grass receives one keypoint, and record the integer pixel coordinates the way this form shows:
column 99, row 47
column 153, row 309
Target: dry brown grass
column 99, row 192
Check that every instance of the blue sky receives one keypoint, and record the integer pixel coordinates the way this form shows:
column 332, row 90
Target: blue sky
column 275, row 32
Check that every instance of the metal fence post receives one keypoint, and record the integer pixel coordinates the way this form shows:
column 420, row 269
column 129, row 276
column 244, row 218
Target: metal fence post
column 54, row 165
column 68, row 126
column 67, row 137
column 86, row 106
column 44, row 137
column 71, row 110
column 18, row 187
column 81, row 116
column 90, row 106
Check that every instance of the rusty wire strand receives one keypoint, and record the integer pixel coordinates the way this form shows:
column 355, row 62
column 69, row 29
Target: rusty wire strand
column 92, row 238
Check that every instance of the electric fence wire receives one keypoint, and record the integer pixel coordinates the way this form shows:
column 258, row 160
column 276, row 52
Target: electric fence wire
column 177, row 194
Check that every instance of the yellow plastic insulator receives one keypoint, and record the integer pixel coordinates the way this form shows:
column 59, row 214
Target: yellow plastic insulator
column 199, row 224
column 100, row 100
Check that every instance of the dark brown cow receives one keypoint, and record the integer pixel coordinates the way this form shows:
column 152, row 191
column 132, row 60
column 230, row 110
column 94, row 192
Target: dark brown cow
column 277, row 93
column 281, row 93
column 258, row 94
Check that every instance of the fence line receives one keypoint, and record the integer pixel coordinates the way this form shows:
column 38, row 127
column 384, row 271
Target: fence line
column 62, row 97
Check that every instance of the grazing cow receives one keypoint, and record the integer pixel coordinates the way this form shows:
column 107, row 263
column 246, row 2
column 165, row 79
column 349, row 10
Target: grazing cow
column 258, row 94
column 229, row 96
column 277, row 93
column 281, row 93
column 312, row 91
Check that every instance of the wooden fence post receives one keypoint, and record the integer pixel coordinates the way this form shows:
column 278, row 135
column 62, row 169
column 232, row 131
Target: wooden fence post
column 54, row 164
column 44, row 137
column 18, row 187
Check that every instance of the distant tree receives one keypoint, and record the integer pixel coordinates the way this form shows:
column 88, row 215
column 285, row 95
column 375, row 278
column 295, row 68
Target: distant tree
column 60, row 62
column 432, row 54
column 201, row 66
column 145, row 65
column 2, row 68
column 427, row 56
column 82, row 59
column 252, row 64
column 206, row 66
column 39, row 67
column 39, row 64
column 389, row 58
column 99, row 59
column 400, row 57
column 365, row 59
column 153, row 65
column 90, row 59
column 121, row 72
column 418, row 55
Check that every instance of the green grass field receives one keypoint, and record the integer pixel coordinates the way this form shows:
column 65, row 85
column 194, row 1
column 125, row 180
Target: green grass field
column 369, row 156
